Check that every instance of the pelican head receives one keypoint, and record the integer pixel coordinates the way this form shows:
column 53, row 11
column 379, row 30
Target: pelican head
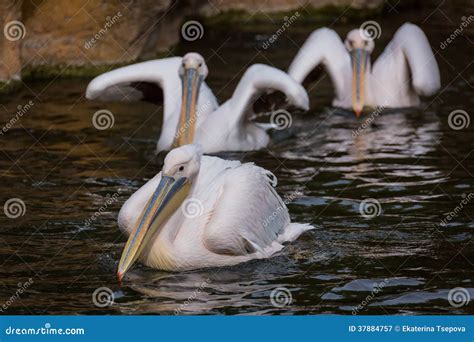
column 193, row 71
column 360, row 48
column 180, row 169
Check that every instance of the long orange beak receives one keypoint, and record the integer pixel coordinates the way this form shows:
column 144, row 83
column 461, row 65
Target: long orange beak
column 167, row 197
column 359, row 59
column 191, row 83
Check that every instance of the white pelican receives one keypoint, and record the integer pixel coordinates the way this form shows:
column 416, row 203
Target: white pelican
column 225, row 128
column 406, row 70
column 203, row 211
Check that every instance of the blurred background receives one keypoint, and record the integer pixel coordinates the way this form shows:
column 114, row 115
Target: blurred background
column 50, row 38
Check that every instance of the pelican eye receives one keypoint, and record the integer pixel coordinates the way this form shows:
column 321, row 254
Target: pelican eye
column 181, row 168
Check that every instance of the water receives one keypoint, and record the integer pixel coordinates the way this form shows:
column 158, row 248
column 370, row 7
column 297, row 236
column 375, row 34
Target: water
column 402, row 261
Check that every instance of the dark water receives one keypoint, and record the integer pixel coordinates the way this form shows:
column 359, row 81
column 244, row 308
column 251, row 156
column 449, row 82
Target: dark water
column 404, row 259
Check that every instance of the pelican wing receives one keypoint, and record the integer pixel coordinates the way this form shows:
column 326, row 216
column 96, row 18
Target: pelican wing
column 142, row 81
column 258, row 81
column 323, row 49
column 243, row 212
column 407, row 60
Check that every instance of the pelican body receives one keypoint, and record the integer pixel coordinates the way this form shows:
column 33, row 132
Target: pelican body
column 203, row 211
column 191, row 112
column 406, row 70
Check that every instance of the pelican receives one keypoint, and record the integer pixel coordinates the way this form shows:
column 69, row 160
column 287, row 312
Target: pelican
column 406, row 70
column 160, row 82
column 191, row 112
column 203, row 211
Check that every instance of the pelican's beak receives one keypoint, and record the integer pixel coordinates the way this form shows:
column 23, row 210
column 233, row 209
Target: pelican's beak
column 359, row 59
column 168, row 196
column 191, row 83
